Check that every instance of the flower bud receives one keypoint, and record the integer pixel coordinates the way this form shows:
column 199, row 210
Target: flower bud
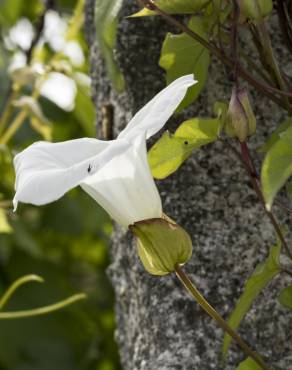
column 162, row 244
column 255, row 9
column 240, row 119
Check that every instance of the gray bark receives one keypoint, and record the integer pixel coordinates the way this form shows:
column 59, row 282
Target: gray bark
column 159, row 326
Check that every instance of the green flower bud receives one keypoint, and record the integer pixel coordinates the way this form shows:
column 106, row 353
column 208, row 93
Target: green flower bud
column 255, row 9
column 162, row 244
column 240, row 119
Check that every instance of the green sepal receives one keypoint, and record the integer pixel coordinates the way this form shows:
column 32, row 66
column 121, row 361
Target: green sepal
column 162, row 244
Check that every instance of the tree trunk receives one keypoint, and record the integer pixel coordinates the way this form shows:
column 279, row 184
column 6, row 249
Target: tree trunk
column 159, row 326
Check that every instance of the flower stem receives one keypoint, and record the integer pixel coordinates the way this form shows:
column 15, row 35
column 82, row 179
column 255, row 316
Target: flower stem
column 217, row 317
column 14, row 286
column 15, row 125
column 287, row 271
column 42, row 310
column 252, row 174
column 234, row 41
column 268, row 50
column 8, row 109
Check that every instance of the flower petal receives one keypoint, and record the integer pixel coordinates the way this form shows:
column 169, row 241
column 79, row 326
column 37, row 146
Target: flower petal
column 46, row 171
column 152, row 117
column 125, row 188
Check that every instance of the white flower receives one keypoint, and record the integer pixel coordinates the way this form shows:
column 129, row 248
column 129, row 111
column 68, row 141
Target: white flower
column 115, row 173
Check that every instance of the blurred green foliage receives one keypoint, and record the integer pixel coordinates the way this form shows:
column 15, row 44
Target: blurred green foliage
column 64, row 242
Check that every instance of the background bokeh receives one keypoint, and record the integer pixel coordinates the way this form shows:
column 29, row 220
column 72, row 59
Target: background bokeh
column 64, row 242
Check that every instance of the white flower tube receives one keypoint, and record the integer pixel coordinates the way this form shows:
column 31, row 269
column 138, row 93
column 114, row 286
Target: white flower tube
column 115, row 173
column 124, row 186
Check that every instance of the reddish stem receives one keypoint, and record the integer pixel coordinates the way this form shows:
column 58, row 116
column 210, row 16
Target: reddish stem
column 252, row 174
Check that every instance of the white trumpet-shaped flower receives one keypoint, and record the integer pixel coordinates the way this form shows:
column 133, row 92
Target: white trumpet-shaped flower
column 115, row 173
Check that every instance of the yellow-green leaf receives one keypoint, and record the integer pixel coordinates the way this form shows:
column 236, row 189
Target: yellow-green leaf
column 285, row 297
column 260, row 278
column 277, row 166
column 199, row 131
column 182, row 55
column 249, row 364
column 174, row 7
column 276, row 135
column 167, row 155
column 171, row 150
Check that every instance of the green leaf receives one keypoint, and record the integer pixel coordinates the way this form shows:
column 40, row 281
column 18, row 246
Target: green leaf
column 106, row 28
column 199, row 131
column 260, row 278
column 5, row 228
column 12, row 10
column 76, row 21
column 171, row 150
column 289, row 189
column 249, row 364
column 276, row 135
column 181, row 55
column 277, row 166
column 174, row 7
column 167, row 155
column 84, row 110
column 285, row 297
